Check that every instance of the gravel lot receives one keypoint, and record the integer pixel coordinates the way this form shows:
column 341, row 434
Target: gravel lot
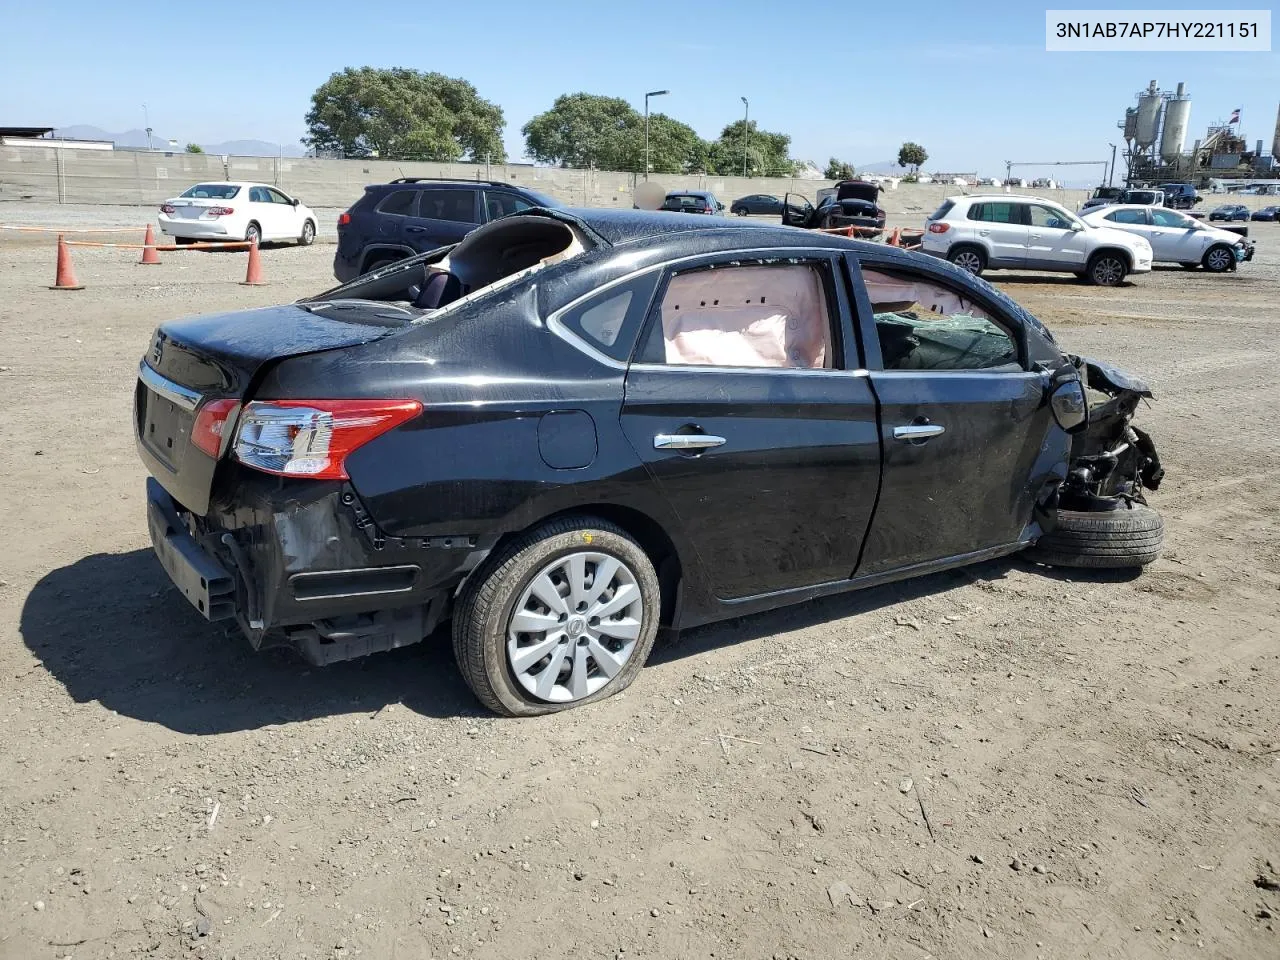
column 1098, row 757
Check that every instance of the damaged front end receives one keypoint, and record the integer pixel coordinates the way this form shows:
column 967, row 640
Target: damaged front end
column 1111, row 461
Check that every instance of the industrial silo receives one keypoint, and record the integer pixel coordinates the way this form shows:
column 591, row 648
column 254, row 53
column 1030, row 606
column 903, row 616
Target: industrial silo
column 1131, row 124
column 1149, row 103
column 1177, row 116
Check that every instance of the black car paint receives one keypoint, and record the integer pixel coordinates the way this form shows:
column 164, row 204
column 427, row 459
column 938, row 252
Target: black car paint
column 757, row 204
column 781, row 515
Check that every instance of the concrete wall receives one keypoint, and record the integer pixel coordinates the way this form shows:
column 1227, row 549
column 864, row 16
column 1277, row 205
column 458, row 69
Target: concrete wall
column 139, row 178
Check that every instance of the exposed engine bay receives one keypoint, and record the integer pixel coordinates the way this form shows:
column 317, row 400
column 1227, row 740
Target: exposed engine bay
column 1112, row 461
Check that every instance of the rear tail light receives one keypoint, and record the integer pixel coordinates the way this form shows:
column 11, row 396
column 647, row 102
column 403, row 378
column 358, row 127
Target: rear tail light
column 168, row 208
column 221, row 211
column 939, row 227
column 312, row 438
column 210, row 426
column 344, row 219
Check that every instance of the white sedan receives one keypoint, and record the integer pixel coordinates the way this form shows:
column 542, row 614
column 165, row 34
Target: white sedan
column 1176, row 237
column 237, row 211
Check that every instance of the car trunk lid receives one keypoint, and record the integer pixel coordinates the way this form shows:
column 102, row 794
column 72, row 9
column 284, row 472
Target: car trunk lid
column 192, row 362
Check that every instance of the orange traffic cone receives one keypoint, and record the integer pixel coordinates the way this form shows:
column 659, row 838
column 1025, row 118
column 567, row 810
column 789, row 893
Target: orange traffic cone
column 66, row 279
column 253, row 276
column 149, row 255
column 849, row 232
column 895, row 239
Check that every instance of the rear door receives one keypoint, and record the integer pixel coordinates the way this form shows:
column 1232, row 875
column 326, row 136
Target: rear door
column 1001, row 226
column 444, row 216
column 746, row 404
column 963, row 422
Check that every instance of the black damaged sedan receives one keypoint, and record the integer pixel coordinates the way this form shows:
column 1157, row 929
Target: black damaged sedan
column 574, row 426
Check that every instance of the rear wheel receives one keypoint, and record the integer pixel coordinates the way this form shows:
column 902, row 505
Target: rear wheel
column 377, row 263
column 1218, row 259
column 1131, row 536
column 970, row 259
column 308, row 234
column 566, row 615
column 740, row 211
column 1107, row 269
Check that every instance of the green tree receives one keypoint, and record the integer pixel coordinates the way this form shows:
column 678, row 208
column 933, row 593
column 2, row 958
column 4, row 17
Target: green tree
column 674, row 147
column 767, row 152
column 586, row 130
column 402, row 114
column 838, row 170
column 912, row 155
column 194, row 148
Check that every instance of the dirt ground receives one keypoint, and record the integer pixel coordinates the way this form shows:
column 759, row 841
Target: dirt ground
column 996, row 762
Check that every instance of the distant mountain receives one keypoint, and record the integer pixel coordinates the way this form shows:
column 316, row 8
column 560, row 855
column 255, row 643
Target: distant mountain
column 159, row 141
column 883, row 167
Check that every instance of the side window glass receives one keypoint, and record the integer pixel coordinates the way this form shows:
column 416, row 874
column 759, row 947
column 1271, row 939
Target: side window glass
column 398, row 202
column 758, row 315
column 923, row 324
column 610, row 321
column 277, row 197
column 1169, row 218
column 1129, row 216
column 256, row 195
column 455, row 205
column 1048, row 217
column 997, row 211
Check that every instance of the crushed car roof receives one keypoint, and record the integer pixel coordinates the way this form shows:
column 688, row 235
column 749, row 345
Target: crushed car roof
column 616, row 227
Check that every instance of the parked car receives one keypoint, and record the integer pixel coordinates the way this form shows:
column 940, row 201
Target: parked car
column 411, row 215
column 1229, row 212
column 1266, row 213
column 1102, row 196
column 1144, row 196
column 757, row 203
column 575, row 425
column 1180, row 196
column 1004, row 232
column 692, row 201
column 235, row 210
column 852, row 203
column 1176, row 237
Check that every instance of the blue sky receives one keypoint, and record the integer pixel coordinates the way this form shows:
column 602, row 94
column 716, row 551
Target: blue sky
column 971, row 81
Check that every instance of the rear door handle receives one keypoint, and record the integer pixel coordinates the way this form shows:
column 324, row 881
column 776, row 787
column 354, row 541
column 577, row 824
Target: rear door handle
column 685, row 441
column 915, row 432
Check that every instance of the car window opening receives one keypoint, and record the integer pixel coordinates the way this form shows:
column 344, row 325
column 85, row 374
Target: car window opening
column 922, row 325
column 769, row 315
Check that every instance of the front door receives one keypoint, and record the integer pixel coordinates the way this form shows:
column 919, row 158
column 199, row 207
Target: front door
column 746, row 406
column 287, row 220
column 1054, row 242
column 1175, row 237
column 963, row 423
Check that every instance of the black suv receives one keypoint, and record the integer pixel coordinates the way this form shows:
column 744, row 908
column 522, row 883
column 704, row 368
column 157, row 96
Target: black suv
column 413, row 215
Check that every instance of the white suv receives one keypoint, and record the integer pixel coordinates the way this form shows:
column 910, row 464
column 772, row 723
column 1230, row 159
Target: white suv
column 1011, row 232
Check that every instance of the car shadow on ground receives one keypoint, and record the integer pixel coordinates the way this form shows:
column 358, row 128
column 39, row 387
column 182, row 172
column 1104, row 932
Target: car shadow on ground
column 111, row 629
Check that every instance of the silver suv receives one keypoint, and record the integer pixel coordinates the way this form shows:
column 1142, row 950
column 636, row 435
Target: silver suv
column 1010, row 232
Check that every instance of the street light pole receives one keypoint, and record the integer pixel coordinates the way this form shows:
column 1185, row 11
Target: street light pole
column 1112, row 175
column 652, row 93
column 746, row 112
column 146, row 122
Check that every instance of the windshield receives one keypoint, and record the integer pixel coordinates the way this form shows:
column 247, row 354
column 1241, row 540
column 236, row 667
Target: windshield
column 1142, row 196
column 212, row 191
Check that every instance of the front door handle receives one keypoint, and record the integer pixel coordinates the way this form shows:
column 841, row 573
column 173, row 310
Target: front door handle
column 916, row 432
column 685, row 441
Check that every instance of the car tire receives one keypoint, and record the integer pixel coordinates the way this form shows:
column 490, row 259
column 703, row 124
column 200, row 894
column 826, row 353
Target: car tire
column 968, row 258
column 377, row 263
column 253, row 232
column 1218, row 258
column 308, row 234
column 1106, row 269
column 740, row 211
column 1131, row 536
column 488, row 648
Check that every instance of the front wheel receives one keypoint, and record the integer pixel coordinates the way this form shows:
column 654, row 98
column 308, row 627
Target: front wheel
column 253, row 233
column 1107, row 270
column 566, row 615
column 308, row 234
column 1131, row 536
column 1218, row 259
